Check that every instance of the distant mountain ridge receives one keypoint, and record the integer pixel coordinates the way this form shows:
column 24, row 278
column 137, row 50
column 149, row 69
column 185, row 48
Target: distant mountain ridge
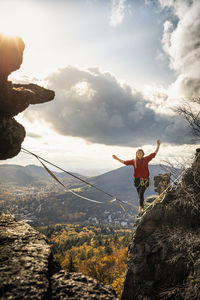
column 118, row 182
column 30, row 174
column 31, row 193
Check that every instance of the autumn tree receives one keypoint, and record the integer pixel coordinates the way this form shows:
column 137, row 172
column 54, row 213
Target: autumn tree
column 108, row 248
column 71, row 266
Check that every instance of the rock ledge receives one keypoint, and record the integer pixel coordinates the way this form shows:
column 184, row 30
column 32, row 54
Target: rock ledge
column 28, row 270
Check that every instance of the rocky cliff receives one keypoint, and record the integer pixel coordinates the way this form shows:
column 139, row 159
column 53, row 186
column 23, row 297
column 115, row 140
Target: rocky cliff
column 164, row 256
column 28, row 270
column 14, row 98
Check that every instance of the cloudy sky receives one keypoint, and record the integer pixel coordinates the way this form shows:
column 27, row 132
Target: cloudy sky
column 118, row 67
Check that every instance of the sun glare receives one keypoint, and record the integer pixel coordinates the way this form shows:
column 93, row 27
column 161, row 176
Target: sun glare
column 19, row 18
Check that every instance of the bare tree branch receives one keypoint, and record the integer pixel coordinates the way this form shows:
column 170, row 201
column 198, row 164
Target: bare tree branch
column 191, row 115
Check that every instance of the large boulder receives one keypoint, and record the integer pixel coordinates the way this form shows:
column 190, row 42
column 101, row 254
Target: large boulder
column 15, row 98
column 29, row 271
column 11, row 55
column 161, row 182
column 11, row 136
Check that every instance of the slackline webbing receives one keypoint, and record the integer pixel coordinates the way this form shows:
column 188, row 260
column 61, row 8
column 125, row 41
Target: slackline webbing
column 40, row 159
column 121, row 203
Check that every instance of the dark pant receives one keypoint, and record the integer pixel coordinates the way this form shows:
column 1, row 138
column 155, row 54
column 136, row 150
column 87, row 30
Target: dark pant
column 140, row 190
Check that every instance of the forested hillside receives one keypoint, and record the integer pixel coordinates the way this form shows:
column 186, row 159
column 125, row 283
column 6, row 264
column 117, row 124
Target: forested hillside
column 32, row 194
column 96, row 250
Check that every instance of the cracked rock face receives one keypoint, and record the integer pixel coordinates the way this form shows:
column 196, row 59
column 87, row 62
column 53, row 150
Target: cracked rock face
column 28, row 270
column 11, row 136
column 24, row 259
column 164, row 256
column 77, row 286
column 161, row 182
column 15, row 98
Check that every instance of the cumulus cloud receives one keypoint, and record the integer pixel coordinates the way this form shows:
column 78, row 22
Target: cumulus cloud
column 117, row 12
column 96, row 107
column 181, row 42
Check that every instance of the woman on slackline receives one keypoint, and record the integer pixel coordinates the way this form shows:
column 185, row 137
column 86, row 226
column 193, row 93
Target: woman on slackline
column 141, row 172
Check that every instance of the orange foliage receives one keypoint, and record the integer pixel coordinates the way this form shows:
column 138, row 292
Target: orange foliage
column 94, row 254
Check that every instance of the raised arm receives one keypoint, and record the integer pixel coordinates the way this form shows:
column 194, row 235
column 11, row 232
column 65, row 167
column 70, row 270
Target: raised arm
column 158, row 146
column 117, row 158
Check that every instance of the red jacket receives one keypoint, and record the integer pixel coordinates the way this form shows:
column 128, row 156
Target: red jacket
column 142, row 170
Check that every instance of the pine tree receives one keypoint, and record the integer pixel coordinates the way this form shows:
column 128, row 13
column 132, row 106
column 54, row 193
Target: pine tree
column 108, row 249
column 71, row 265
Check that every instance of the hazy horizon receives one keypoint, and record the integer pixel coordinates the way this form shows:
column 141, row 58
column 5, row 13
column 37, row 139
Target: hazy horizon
column 117, row 67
